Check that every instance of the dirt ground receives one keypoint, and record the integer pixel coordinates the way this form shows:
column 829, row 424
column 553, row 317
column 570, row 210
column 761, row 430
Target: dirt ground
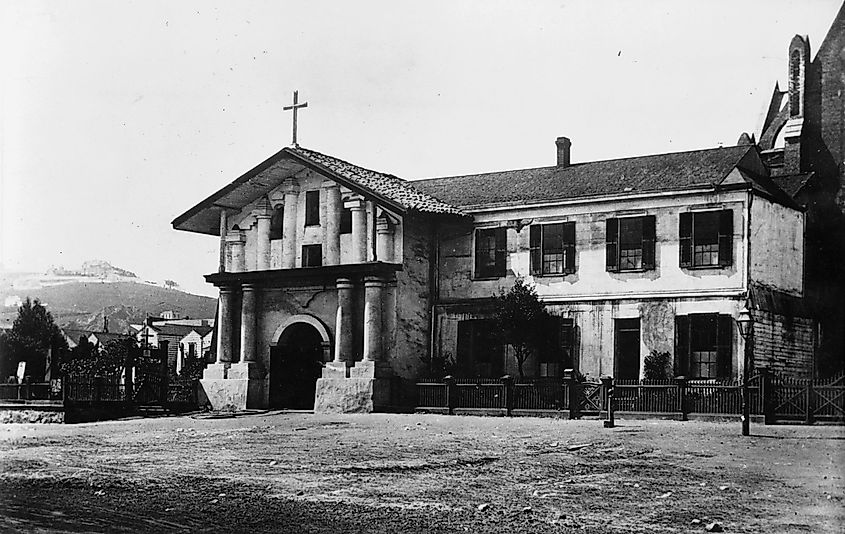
column 298, row 472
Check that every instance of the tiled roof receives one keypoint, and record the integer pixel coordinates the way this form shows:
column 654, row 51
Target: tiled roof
column 386, row 185
column 792, row 183
column 662, row 172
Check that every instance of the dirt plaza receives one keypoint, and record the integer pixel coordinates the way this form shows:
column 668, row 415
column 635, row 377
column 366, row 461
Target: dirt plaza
column 299, row 472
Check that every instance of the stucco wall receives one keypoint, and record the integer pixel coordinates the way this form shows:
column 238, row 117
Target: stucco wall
column 594, row 344
column 777, row 246
column 591, row 280
column 412, row 298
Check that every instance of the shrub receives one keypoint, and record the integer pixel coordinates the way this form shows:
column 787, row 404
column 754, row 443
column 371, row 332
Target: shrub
column 657, row 365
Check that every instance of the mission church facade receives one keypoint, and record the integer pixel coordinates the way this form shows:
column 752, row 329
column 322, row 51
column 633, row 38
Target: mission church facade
column 339, row 286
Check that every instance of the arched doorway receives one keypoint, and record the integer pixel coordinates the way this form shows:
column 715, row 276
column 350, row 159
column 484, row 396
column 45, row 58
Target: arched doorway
column 296, row 364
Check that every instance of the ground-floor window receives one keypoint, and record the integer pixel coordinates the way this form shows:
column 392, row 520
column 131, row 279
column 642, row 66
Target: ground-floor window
column 479, row 352
column 558, row 352
column 704, row 345
column 627, row 349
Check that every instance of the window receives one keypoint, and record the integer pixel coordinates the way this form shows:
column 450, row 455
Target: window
column 312, row 208
column 192, row 351
column 490, row 252
column 277, row 223
column 704, row 345
column 552, row 248
column 630, row 244
column 478, row 352
column 312, row 255
column 346, row 221
column 706, row 239
column 557, row 355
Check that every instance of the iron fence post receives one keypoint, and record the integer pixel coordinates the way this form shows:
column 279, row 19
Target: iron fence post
column 607, row 383
column 810, row 398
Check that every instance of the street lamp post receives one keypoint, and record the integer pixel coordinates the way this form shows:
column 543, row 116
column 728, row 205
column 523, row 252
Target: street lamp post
column 745, row 324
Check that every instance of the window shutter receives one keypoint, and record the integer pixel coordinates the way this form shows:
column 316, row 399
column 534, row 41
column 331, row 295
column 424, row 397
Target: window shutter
column 535, row 242
column 501, row 251
column 569, row 247
column 478, row 258
column 649, row 238
column 726, row 234
column 685, row 238
column 464, row 348
column 611, row 244
column 724, row 344
column 682, row 327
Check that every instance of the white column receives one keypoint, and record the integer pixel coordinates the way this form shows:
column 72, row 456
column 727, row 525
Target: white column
column 262, row 238
column 289, row 224
column 224, row 325
column 237, row 242
column 384, row 240
column 331, row 230
column 248, row 324
column 224, row 229
column 343, row 321
column 373, row 290
column 359, row 230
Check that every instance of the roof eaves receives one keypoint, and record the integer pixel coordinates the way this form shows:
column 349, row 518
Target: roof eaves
column 351, row 184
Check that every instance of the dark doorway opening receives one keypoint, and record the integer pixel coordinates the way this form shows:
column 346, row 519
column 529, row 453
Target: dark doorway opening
column 627, row 349
column 295, row 366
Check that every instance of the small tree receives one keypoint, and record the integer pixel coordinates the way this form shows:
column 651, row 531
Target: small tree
column 520, row 319
column 33, row 333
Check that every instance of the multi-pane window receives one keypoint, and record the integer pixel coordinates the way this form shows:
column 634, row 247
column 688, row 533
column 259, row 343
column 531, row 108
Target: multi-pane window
column 630, row 243
column 312, row 208
column 490, row 252
column 704, row 345
column 552, row 248
column 706, row 239
column 312, row 255
column 557, row 353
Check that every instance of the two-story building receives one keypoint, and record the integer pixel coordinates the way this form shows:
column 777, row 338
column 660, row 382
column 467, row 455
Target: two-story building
column 338, row 284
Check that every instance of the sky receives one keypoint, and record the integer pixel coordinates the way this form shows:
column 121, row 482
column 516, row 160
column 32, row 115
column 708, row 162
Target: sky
column 117, row 116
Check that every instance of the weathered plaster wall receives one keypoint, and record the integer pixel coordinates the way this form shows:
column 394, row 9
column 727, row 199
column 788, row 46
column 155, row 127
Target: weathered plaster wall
column 777, row 246
column 594, row 345
column 412, row 301
column 591, row 280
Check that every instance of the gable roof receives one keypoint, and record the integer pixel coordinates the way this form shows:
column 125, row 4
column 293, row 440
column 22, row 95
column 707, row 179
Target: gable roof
column 387, row 186
column 388, row 189
column 642, row 174
column 180, row 330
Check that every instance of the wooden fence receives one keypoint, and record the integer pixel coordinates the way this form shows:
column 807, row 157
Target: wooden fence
column 770, row 397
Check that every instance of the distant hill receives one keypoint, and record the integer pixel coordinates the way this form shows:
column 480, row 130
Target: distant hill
column 81, row 304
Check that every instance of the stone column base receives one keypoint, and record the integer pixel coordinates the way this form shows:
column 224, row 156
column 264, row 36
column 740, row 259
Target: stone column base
column 363, row 388
column 233, row 394
column 216, row 371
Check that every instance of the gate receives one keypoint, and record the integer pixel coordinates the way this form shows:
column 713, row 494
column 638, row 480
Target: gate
column 795, row 399
column 150, row 380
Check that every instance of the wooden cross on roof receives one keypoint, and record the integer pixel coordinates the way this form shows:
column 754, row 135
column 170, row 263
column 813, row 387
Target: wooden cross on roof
column 295, row 107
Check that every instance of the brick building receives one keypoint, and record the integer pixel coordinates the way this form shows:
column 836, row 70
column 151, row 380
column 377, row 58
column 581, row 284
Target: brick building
column 802, row 142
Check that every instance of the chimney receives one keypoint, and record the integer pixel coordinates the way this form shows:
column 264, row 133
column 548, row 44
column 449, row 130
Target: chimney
column 563, row 144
